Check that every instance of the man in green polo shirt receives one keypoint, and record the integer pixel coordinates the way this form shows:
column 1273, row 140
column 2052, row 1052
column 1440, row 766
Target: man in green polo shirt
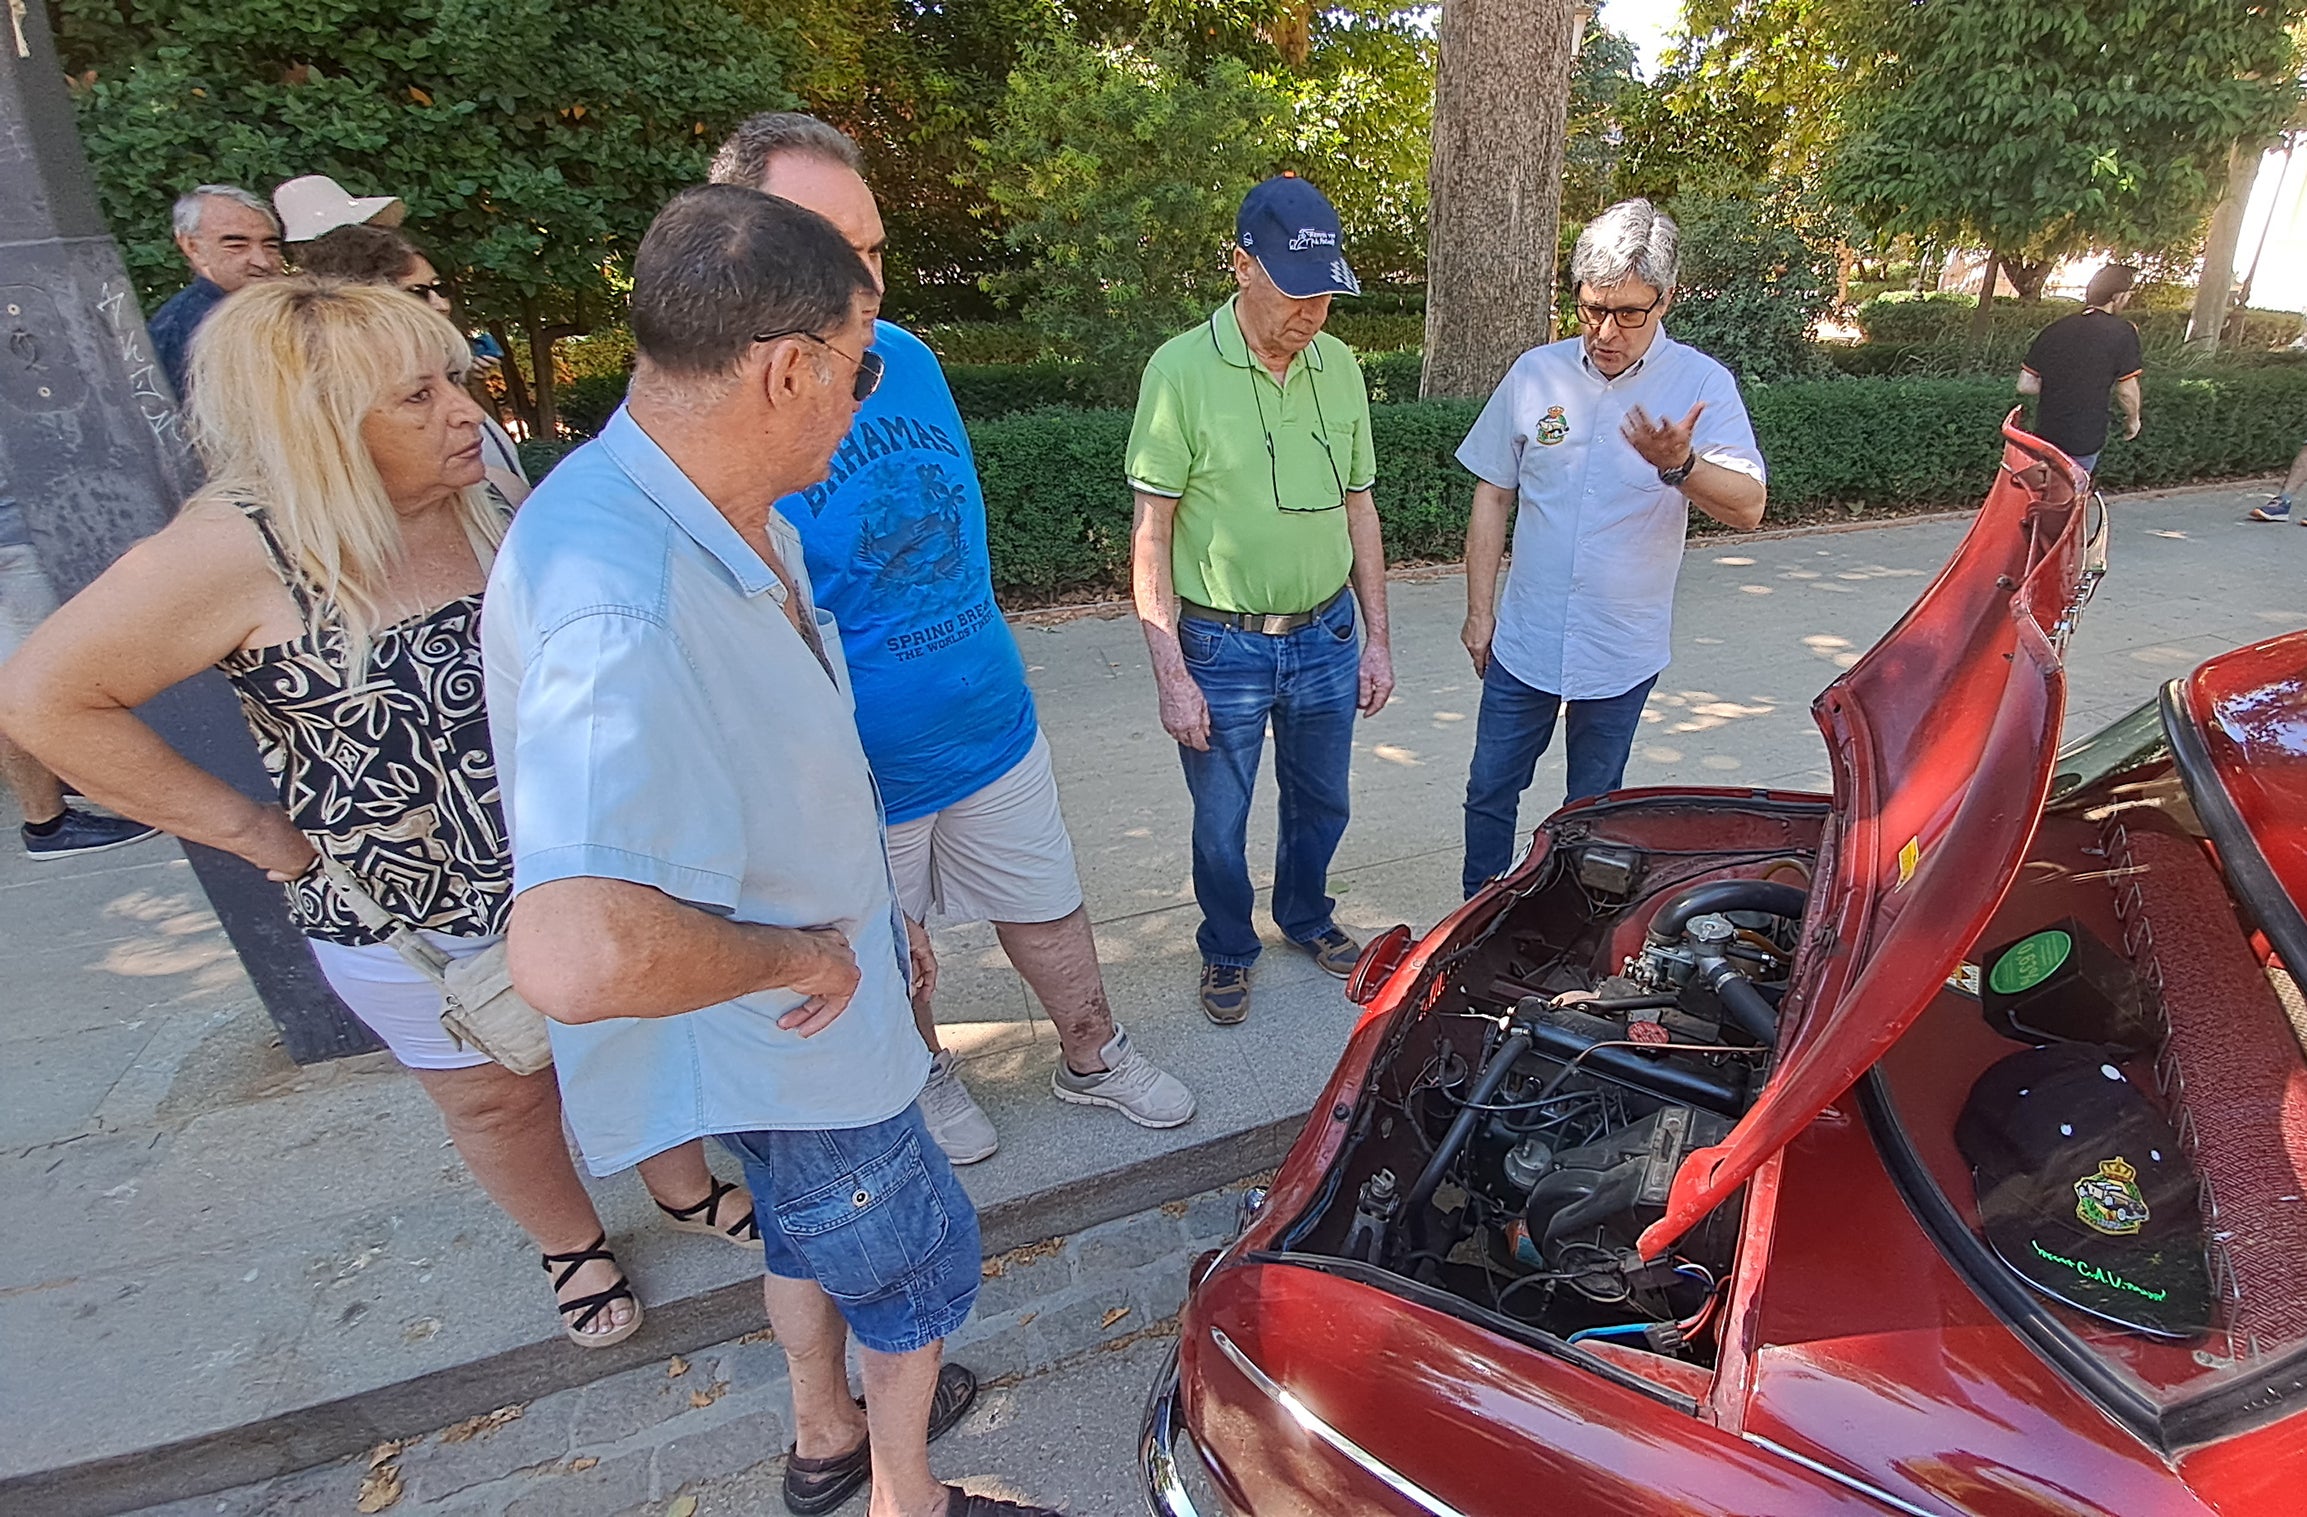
column 1252, row 465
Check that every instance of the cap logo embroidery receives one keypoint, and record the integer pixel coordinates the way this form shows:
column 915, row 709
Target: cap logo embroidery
column 1553, row 427
column 2094, row 1273
column 2110, row 1201
column 1312, row 237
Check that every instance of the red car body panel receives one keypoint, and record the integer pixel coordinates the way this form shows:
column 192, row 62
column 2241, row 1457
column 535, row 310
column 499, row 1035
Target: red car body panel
column 2251, row 707
column 1856, row 1369
column 1942, row 740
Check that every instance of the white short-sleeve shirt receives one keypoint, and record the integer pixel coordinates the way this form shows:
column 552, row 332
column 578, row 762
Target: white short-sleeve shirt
column 1588, row 608
column 658, row 719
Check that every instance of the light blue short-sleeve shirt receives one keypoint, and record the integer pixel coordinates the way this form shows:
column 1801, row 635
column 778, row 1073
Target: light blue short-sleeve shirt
column 1588, row 608
column 658, row 720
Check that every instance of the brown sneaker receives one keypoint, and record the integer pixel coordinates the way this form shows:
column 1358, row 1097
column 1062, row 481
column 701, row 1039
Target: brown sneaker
column 1334, row 951
column 1225, row 993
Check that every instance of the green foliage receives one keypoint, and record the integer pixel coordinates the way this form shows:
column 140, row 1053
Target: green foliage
column 1119, row 171
column 532, row 139
column 1602, row 77
column 2039, row 129
column 1934, row 330
column 1060, row 510
column 1757, row 274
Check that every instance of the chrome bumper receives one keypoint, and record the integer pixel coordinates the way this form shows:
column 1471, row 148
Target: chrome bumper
column 1165, row 1489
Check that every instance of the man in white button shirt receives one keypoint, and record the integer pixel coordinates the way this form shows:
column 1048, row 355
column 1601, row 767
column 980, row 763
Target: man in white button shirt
column 1601, row 438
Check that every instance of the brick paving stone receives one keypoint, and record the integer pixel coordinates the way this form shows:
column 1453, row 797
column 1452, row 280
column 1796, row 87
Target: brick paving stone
column 612, row 1486
column 1128, row 1243
column 435, row 1468
column 628, row 1403
column 729, row 1448
column 1024, row 1280
column 1210, row 1217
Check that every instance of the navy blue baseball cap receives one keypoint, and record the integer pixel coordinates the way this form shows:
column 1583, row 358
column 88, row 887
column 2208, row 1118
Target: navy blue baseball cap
column 1288, row 226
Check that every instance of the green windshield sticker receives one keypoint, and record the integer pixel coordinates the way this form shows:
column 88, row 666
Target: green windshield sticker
column 2030, row 961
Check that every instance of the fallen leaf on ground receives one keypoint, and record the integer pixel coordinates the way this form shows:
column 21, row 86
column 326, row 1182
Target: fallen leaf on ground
column 709, row 1394
column 579, row 1466
column 384, row 1451
column 1110, row 1318
column 677, row 1368
column 683, row 1506
column 760, row 1335
column 487, row 1422
column 379, row 1488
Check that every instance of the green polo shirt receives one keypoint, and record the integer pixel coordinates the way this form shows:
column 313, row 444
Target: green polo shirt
column 1259, row 470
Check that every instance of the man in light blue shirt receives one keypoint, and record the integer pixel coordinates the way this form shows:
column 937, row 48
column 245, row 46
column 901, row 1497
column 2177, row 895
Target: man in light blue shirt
column 702, row 903
column 1592, row 446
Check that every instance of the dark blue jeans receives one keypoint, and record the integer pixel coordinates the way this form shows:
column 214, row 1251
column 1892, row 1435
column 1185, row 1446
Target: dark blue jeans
column 1307, row 683
column 1516, row 724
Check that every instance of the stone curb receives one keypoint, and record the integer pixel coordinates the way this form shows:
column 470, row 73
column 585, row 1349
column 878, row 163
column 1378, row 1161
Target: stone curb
column 304, row 1437
column 646, row 1433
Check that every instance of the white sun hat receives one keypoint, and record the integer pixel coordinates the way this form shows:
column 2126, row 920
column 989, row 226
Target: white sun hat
column 316, row 204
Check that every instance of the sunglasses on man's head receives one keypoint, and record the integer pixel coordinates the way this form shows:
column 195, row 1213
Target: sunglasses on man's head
column 869, row 364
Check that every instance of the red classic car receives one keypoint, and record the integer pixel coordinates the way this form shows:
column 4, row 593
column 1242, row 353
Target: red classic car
column 1939, row 1147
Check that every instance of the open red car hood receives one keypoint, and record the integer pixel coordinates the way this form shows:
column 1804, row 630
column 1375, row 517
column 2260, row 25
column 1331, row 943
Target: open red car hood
column 1943, row 739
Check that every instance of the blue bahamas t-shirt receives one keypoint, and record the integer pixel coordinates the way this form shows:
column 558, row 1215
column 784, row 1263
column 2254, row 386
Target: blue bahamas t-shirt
column 896, row 546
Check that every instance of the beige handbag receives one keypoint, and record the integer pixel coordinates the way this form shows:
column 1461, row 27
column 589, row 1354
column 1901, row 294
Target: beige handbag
column 481, row 1009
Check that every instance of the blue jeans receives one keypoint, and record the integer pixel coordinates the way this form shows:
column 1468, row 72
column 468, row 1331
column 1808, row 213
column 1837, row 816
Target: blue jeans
column 873, row 1215
column 1308, row 684
column 1516, row 724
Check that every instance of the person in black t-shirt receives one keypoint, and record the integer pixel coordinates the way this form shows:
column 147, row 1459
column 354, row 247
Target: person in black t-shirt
column 2076, row 360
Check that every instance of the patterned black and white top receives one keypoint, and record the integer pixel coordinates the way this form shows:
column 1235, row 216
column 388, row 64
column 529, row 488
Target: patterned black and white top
column 391, row 775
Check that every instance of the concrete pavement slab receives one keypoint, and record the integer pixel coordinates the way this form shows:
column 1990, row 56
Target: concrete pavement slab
column 179, row 1151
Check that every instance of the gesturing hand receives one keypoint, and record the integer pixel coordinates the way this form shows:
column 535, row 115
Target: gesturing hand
column 1662, row 444
column 828, row 977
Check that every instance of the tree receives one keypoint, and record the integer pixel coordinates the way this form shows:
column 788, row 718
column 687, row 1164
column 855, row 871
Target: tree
column 532, row 139
column 1501, row 101
column 1758, row 271
column 1118, row 170
column 2038, row 130
column 1602, row 79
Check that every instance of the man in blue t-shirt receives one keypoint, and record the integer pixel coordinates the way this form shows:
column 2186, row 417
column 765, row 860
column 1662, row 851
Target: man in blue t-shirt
column 895, row 541
column 230, row 239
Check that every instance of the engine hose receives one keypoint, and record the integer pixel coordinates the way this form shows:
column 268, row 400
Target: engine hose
column 1724, row 895
column 1755, row 1017
column 1446, row 1152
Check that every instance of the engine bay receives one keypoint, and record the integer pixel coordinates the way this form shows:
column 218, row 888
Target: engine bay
column 1550, row 1073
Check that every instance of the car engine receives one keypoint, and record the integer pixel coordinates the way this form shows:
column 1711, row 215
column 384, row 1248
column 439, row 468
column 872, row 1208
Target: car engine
column 1553, row 1072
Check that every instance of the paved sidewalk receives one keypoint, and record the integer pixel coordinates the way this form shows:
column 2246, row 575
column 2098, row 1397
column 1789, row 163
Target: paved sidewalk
column 220, row 1266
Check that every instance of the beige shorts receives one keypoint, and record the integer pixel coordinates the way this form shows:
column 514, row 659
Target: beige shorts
column 999, row 855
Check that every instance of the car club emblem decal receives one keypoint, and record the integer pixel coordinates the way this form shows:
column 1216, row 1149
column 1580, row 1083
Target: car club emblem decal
column 2109, row 1201
column 1553, row 427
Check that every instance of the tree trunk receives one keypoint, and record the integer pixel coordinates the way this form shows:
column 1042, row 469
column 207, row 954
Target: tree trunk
column 546, row 425
column 1501, row 106
column 1291, row 31
column 1981, row 321
column 516, row 387
column 2028, row 278
column 2217, row 282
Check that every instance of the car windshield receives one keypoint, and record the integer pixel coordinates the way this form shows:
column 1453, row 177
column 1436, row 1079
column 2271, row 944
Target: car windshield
column 2128, row 743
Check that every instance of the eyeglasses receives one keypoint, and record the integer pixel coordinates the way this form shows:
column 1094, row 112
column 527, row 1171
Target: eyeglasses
column 1321, row 440
column 869, row 364
column 1629, row 318
column 434, row 291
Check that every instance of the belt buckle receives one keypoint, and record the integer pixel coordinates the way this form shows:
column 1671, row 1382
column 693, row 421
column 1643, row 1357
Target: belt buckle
column 1278, row 626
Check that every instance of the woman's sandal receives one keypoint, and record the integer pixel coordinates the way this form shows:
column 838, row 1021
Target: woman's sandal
column 745, row 1232
column 588, row 1309
column 819, row 1485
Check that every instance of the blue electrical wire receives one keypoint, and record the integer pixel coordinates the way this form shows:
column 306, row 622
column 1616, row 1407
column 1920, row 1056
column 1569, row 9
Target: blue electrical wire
column 1619, row 1330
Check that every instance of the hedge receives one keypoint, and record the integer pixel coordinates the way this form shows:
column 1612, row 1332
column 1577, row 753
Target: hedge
column 1059, row 512
column 1946, row 317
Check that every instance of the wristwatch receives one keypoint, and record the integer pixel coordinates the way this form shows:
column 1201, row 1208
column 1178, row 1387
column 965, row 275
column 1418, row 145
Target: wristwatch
column 1674, row 477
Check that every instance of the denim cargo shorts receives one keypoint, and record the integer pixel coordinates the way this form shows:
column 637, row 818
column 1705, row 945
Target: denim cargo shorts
column 873, row 1215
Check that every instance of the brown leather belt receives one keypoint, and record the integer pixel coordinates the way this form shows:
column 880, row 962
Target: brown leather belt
column 1252, row 621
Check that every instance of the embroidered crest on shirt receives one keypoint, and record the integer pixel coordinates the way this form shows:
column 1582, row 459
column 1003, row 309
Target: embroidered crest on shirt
column 1553, row 427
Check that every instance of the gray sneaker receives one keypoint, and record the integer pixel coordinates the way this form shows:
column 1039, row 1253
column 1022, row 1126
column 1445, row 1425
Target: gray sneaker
column 954, row 1118
column 1130, row 1084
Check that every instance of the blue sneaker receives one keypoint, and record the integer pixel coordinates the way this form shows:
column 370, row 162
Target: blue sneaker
column 77, row 832
column 2278, row 509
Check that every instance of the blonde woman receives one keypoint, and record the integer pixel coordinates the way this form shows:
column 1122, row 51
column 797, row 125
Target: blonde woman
column 333, row 568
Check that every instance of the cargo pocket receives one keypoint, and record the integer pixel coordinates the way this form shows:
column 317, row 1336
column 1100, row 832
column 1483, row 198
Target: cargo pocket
column 868, row 1232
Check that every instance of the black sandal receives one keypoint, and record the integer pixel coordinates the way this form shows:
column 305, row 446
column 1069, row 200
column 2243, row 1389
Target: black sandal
column 813, row 1486
column 588, row 1309
column 745, row 1232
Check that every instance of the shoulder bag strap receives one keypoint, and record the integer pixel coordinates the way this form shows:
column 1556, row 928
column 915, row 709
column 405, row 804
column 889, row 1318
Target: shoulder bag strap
column 418, row 954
